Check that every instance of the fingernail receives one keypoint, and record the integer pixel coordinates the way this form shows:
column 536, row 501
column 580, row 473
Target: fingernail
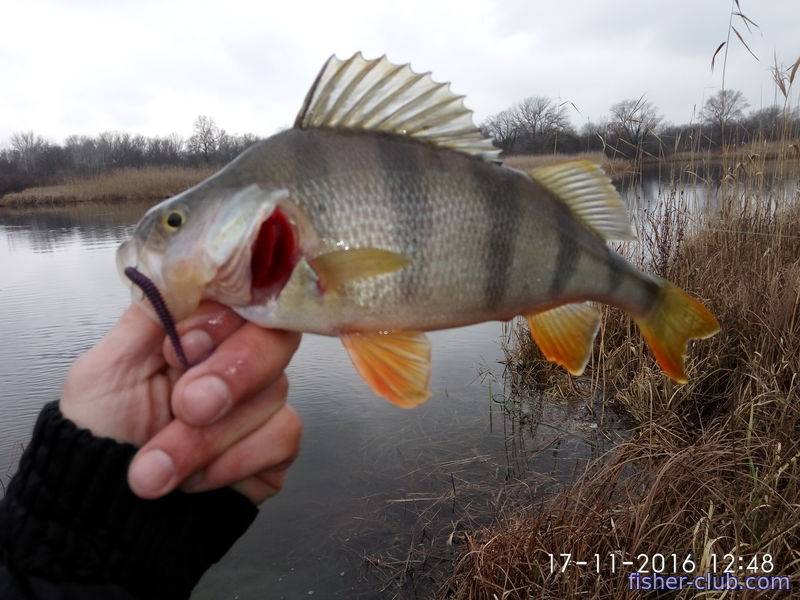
column 151, row 472
column 205, row 400
column 197, row 345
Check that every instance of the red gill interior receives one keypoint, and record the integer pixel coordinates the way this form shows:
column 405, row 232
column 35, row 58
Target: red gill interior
column 275, row 253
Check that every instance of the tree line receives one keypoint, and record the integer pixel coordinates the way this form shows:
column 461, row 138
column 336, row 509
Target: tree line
column 634, row 128
column 33, row 160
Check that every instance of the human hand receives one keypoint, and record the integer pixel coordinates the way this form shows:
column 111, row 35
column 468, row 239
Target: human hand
column 223, row 422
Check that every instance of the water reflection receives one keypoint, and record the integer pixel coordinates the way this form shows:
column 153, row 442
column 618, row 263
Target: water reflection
column 701, row 188
column 50, row 229
column 373, row 482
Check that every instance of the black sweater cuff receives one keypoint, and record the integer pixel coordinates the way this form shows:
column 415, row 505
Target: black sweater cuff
column 69, row 515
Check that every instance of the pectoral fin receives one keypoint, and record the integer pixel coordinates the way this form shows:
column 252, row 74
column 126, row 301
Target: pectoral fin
column 339, row 267
column 565, row 334
column 396, row 365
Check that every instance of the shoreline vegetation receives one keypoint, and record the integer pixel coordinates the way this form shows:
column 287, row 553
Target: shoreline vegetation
column 154, row 183
column 128, row 184
column 711, row 467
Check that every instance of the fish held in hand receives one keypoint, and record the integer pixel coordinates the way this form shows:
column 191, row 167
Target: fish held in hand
column 384, row 213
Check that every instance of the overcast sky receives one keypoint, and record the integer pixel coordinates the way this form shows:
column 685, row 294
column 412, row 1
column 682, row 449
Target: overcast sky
column 151, row 67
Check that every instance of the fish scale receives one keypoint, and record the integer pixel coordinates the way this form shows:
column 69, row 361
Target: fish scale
column 476, row 217
column 384, row 213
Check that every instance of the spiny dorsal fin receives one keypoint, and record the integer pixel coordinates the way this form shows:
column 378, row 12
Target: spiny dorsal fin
column 565, row 334
column 588, row 192
column 376, row 95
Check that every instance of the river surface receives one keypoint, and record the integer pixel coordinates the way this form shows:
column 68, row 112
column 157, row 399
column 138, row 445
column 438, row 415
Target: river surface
column 377, row 493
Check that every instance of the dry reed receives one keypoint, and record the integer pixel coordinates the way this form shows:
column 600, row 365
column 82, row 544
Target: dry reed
column 149, row 183
column 712, row 465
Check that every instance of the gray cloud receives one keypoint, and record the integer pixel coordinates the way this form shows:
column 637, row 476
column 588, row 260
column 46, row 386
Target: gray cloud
column 150, row 68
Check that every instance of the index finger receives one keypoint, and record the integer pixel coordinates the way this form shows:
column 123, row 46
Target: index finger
column 242, row 365
column 202, row 331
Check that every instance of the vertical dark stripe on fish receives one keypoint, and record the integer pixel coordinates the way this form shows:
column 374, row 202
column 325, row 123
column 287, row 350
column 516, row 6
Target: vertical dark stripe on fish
column 615, row 272
column 308, row 168
column 408, row 196
column 501, row 208
column 652, row 290
column 567, row 257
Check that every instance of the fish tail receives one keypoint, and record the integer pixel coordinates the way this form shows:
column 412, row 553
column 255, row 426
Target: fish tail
column 673, row 320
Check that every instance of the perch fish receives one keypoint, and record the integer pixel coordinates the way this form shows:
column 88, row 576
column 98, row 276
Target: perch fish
column 384, row 213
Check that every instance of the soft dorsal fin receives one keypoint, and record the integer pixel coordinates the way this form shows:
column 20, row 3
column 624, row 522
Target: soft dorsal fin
column 588, row 192
column 376, row 95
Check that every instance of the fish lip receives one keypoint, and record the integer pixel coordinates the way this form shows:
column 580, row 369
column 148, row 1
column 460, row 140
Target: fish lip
column 127, row 256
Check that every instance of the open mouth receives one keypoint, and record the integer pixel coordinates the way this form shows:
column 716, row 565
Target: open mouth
column 273, row 256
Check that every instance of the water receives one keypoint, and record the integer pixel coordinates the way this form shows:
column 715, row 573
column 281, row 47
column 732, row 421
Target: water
column 372, row 481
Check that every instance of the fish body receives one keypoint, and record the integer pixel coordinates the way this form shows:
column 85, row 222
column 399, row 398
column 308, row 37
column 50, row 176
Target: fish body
column 375, row 222
column 485, row 242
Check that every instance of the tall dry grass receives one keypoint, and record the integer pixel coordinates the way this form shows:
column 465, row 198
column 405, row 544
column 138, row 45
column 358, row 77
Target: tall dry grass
column 712, row 466
column 149, row 183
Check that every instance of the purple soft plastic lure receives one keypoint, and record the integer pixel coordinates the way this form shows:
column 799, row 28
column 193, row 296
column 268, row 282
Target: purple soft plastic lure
column 154, row 296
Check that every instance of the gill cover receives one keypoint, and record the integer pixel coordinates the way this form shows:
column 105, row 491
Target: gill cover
column 204, row 254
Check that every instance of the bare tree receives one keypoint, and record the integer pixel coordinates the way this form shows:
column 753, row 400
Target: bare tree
column 633, row 121
column 724, row 109
column 594, row 135
column 539, row 115
column 28, row 147
column 531, row 125
column 503, row 128
column 206, row 138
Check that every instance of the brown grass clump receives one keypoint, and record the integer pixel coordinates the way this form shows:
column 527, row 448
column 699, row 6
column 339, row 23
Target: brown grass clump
column 712, row 466
column 615, row 167
column 149, row 183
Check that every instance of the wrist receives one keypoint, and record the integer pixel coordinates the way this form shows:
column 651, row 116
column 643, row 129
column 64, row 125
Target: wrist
column 69, row 515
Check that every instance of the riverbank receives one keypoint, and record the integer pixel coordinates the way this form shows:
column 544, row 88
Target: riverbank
column 157, row 183
column 763, row 150
column 711, row 469
column 148, row 183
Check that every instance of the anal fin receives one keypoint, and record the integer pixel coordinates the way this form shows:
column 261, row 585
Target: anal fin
column 395, row 365
column 565, row 334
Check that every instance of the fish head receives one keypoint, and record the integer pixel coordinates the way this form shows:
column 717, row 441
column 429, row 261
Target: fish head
column 234, row 246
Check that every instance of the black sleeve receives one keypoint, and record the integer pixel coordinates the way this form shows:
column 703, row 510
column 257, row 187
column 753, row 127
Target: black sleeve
column 70, row 527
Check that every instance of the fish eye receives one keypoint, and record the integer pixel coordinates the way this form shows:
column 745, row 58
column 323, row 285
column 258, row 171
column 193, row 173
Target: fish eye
column 174, row 220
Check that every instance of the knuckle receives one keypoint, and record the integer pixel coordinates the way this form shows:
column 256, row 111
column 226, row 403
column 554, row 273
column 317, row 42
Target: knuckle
column 274, row 480
column 256, row 342
column 200, row 450
column 281, row 386
column 294, row 428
